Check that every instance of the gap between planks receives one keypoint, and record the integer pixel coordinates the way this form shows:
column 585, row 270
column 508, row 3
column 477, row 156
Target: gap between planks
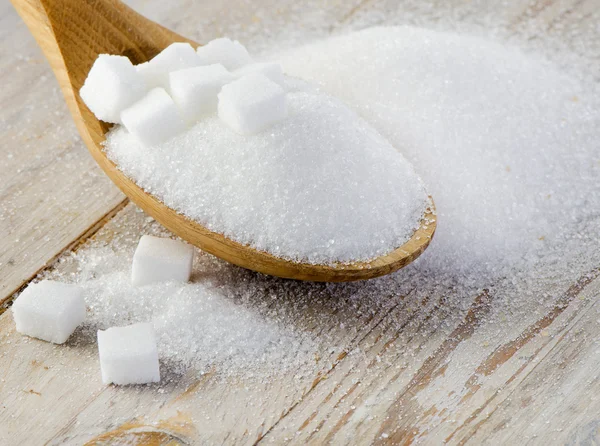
column 72, row 246
column 320, row 377
column 565, row 313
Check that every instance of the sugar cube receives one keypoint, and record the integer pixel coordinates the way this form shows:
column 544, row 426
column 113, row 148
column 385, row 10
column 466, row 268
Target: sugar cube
column 251, row 103
column 195, row 90
column 160, row 260
column 154, row 118
column 230, row 53
column 112, row 85
column 128, row 355
column 49, row 310
column 272, row 70
column 176, row 56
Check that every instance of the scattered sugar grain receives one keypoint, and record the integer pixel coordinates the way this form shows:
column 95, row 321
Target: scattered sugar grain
column 200, row 326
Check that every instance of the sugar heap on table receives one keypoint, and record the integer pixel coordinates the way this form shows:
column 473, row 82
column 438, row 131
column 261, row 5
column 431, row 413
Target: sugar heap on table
column 51, row 311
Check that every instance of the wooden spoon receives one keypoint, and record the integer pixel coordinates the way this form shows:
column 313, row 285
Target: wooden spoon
column 72, row 33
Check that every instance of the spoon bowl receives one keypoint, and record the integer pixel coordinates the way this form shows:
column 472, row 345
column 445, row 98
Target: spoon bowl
column 72, row 33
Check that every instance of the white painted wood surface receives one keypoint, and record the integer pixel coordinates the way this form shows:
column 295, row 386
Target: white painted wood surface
column 428, row 373
column 51, row 192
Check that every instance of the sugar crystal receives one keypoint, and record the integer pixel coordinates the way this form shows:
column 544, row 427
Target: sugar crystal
column 176, row 56
column 269, row 69
column 230, row 53
column 49, row 310
column 128, row 355
column 159, row 259
column 111, row 85
column 252, row 103
column 154, row 118
column 195, row 90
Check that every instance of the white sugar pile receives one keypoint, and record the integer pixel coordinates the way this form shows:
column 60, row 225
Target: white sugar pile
column 200, row 326
column 507, row 144
column 319, row 186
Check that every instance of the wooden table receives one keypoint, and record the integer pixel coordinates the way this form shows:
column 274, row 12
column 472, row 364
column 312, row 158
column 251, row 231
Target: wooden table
column 538, row 382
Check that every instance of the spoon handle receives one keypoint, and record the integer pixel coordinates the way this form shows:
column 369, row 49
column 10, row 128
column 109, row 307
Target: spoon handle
column 72, row 33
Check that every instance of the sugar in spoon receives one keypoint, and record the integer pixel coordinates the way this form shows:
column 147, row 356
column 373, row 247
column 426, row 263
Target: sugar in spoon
column 72, row 33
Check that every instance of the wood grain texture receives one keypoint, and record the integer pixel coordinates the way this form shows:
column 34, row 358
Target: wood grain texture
column 217, row 410
column 429, row 372
column 444, row 390
column 51, row 191
column 72, row 34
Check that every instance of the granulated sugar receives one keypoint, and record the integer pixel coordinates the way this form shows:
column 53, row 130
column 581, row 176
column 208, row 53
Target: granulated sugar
column 319, row 186
column 507, row 144
column 199, row 326
column 228, row 321
column 509, row 148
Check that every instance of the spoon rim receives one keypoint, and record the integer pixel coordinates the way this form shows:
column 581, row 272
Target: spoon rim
column 245, row 255
column 262, row 261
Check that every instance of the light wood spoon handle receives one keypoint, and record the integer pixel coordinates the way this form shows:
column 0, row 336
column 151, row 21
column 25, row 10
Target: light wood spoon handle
column 72, row 33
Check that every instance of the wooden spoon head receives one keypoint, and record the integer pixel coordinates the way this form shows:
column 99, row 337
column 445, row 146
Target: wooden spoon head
column 72, row 33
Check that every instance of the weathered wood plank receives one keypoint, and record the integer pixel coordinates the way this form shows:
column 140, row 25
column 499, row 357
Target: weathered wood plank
column 51, row 191
column 423, row 370
column 556, row 402
column 30, row 390
column 217, row 409
column 397, row 394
